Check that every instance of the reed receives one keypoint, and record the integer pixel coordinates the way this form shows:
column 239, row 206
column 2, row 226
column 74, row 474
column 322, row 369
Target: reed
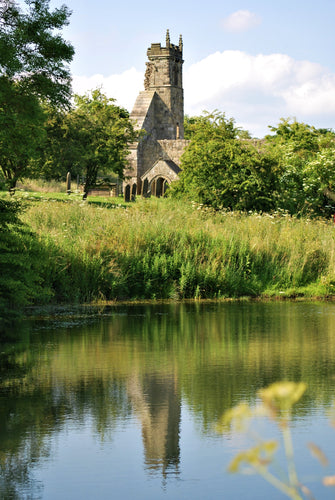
column 162, row 248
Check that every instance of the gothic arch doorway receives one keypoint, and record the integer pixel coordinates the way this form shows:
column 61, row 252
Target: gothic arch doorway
column 159, row 186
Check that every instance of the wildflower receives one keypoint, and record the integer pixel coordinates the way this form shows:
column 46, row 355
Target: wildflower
column 281, row 396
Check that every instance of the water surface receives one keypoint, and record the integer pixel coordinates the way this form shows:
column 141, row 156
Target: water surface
column 123, row 404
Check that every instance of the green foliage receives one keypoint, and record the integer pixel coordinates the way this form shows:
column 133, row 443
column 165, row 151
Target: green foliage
column 20, row 281
column 92, row 137
column 305, row 173
column 61, row 151
column 21, row 131
column 33, row 68
column 291, row 170
column 303, row 137
column 126, row 253
column 31, row 54
column 222, row 170
column 319, row 181
column 81, row 253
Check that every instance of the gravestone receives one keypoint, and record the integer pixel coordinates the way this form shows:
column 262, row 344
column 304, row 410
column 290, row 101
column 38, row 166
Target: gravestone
column 133, row 192
column 145, row 187
column 68, row 183
column 127, row 193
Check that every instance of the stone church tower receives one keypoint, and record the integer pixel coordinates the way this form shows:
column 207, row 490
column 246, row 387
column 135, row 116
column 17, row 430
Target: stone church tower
column 159, row 112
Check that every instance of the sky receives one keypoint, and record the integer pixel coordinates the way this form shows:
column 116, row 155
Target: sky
column 257, row 61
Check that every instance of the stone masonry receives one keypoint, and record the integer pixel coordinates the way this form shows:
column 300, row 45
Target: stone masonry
column 158, row 111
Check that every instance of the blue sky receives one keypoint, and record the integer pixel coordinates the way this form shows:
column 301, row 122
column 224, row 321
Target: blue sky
column 256, row 60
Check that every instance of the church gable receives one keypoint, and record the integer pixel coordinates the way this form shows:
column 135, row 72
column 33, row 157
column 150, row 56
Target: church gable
column 167, row 169
column 143, row 110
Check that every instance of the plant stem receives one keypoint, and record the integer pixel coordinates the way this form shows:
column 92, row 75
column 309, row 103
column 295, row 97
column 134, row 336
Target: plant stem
column 288, row 445
column 290, row 491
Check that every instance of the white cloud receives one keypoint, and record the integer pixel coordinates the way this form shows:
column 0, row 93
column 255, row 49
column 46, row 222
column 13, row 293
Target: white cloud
column 123, row 87
column 258, row 90
column 241, row 20
column 255, row 90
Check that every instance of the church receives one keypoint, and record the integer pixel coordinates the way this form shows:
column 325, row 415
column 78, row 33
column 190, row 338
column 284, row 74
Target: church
column 154, row 161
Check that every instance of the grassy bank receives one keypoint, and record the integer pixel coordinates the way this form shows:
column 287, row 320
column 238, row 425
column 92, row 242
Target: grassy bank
column 160, row 248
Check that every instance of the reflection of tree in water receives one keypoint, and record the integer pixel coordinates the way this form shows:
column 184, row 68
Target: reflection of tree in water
column 141, row 363
column 16, row 481
column 20, row 445
column 25, row 425
column 31, row 418
column 156, row 402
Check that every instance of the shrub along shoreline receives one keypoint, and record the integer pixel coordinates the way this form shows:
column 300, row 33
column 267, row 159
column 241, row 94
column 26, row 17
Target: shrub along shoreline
column 169, row 249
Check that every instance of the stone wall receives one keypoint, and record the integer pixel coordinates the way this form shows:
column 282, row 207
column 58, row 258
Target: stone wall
column 173, row 149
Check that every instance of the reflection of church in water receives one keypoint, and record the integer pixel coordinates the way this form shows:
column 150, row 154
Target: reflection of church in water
column 157, row 404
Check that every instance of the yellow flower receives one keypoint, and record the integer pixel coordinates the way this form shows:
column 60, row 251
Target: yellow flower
column 237, row 417
column 282, row 395
column 258, row 456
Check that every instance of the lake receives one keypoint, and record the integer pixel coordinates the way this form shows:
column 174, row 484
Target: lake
column 122, row 402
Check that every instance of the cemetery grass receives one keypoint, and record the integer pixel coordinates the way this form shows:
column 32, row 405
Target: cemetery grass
column 168, row 249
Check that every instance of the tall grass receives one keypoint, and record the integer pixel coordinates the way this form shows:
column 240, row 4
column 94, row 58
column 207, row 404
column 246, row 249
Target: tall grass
column 43, row 186
column 158, row 249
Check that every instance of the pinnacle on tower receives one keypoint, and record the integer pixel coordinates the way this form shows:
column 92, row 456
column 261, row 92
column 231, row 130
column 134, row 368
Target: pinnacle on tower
column 167, row 39
column 180, row 43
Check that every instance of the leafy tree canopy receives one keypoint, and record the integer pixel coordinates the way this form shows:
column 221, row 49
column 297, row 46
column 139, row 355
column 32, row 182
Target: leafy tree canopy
column 306, row 175
column 33, row 68
column 21, row 133
column 301, row 135
column 293, row 169
column 221, row 169
column 91, row 138
column 31, row 55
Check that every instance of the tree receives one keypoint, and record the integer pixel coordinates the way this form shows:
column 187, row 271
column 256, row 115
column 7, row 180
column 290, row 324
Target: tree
column 31, row 55
column 61, row 151
column 293, row 169
column 93, row 137
column 303, row 137
column 222, row 170
column 319, row 182
column 20, row 268
column 306, row 176
column 21, row 133
column 33, row 69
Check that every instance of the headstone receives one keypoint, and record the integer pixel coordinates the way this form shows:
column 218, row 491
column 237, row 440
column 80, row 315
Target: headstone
column 68, row 183
column 133, row 192
column 127, row 193
column 145, row 186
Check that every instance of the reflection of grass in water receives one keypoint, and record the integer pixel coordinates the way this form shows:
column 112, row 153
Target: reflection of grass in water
column 276, row 404
column 204, row 354
column 83, row 368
